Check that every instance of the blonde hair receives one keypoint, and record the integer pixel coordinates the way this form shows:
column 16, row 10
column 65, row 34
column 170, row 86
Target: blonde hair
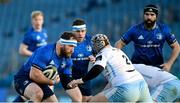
column 36, row 13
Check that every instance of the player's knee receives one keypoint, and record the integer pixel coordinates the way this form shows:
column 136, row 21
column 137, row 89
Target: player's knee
column 91, row 99
column 86, row 98
column 78, row 99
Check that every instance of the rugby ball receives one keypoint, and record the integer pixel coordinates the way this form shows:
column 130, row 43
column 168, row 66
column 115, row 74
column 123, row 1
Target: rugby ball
column 50, row 72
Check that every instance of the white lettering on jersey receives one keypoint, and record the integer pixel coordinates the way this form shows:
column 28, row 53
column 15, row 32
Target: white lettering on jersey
column 118, row 68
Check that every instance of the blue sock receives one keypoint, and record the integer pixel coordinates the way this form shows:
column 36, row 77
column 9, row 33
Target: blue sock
column 18, row 99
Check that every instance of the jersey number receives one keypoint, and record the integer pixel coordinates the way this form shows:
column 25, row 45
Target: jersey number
column 127, row 60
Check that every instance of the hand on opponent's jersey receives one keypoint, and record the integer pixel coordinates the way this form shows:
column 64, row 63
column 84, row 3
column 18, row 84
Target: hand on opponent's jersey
column 166, row 66
column 74, row 83
column 92, row 58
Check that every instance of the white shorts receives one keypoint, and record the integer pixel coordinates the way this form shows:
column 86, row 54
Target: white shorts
column 130, row 92
column 167, row 92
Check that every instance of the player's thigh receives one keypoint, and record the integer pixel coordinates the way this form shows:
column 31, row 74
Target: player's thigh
column 177, row 84
column 22, row 84
column 100, row 97
column 32, row 89
column 126, row 92
column 52, row 98
column 166, row 92
column 75, row 94
column 144, row 93
column 117, row 94
column 85, row 89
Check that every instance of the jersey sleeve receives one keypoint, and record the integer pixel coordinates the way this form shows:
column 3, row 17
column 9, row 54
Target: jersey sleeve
column 101, row 60
column 170, row 38
column 45, row 32
column 127, row 37
column 27, row 39
column 40, row 59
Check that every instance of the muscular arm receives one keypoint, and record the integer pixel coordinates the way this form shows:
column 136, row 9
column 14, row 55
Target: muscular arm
column 120, row 44
column 23, row 50
column 175, row 53
column 37, row 76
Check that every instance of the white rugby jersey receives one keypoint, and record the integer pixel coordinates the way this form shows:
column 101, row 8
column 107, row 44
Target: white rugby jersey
column 154, row 76
column 118, row 68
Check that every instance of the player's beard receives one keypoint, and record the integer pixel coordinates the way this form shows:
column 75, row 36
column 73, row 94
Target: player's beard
column 64, row 53
column 149, row 23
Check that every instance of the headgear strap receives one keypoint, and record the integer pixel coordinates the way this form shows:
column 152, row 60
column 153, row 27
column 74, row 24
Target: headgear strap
column 151, row 8
column 67, row 42
column 79, row 27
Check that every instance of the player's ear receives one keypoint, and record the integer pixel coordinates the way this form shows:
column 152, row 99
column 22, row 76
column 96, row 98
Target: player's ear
column 61, row 45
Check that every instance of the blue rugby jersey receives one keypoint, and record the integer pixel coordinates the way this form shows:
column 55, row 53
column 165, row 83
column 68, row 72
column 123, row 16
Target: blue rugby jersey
column 43, row 57
column 35, row 39
column 148, row 44
column 80, row 57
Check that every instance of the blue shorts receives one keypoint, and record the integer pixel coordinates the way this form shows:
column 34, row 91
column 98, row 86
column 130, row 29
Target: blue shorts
column 85, row 88
column 20, row 85
column 136, row 91
column 167, row 92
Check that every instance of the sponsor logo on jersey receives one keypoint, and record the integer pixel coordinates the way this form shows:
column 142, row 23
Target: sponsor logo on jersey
column 149, row 42
column 80, row 55
column 150, row 46
column 42, row 43
column 83, row 58
column 43, row 40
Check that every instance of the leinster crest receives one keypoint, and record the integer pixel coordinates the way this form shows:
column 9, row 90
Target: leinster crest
column 159, row 36
column 89, row 48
